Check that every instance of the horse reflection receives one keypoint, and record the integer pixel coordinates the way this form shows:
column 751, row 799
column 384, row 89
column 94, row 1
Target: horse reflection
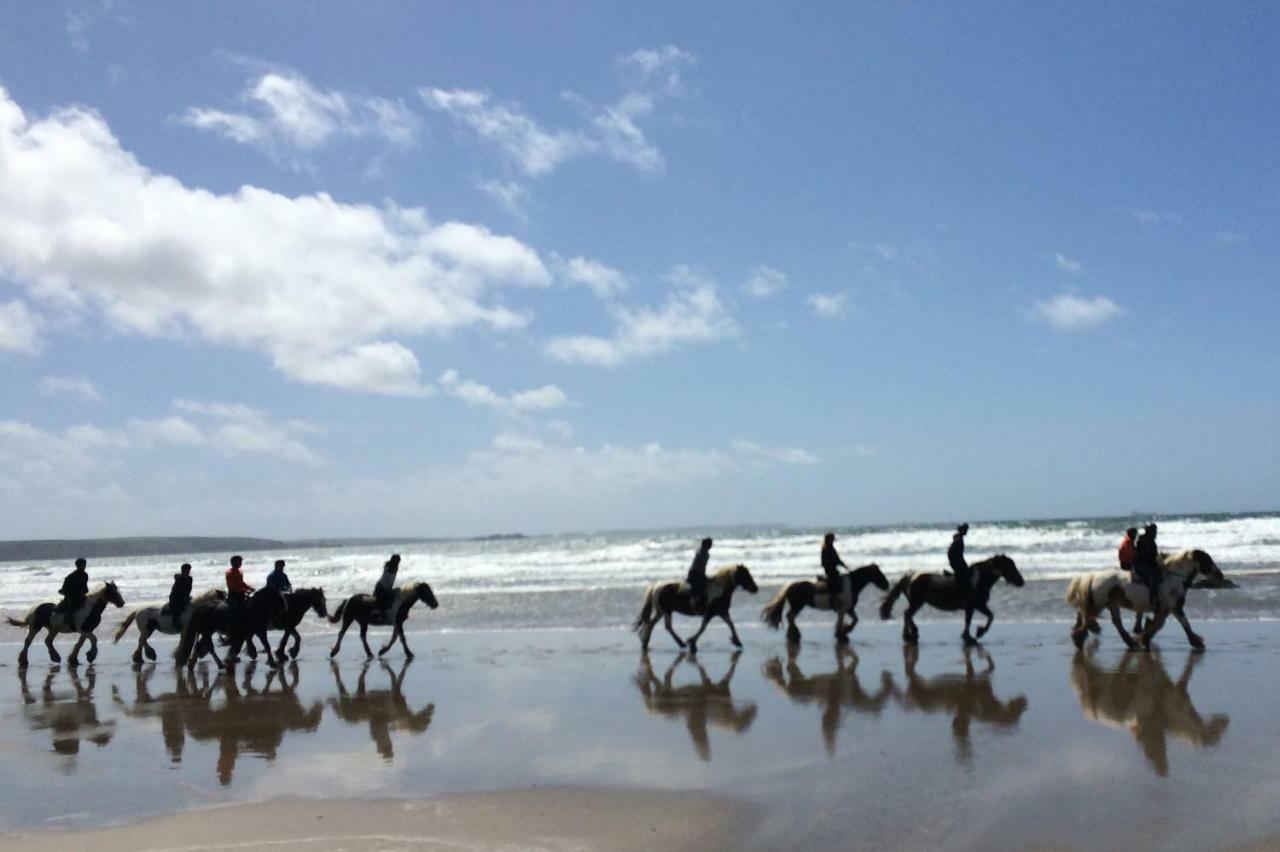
column 1140, row 696
column 707, row 702
column 70, row 718
column 967, row 697
column 385, row 710
column 248, row 718
column 834, row 691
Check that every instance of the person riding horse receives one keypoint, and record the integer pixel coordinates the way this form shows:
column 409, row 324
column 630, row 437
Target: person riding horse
column 955, row 557
column 1127, row 553
column 279, row 580
column 831, row 563
column 1146, row 564
column 180, row 593
column 238, row 590
column 384, row 591
column 697, row 577
column 75, row 588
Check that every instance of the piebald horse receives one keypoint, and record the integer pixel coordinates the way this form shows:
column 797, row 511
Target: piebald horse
column 365, row 609
column 942, row 591
column 663, row 599
column 1094, row 592
column 802, row 593
column 84, row 621
column 157, row 619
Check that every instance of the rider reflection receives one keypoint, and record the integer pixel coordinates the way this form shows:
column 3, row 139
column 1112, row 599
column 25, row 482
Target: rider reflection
column 69, row 718
column 833, row 691
column 704, row 703
column 385, row 710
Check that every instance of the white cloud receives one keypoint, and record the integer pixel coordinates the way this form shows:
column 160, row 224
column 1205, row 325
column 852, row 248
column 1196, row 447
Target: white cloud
column 472, row 393
column 780, row 455
column 661, row 65
column 535, row 150
column 1155, row 217
column 829, row 305
column 17, row 327
column 765, row 281
column 70, row 386
column 315, row 284
column 692, row 314
column 1066, row 311
column 510, row 195
column 605, row 281
column 288, row 112
column 1066, row 264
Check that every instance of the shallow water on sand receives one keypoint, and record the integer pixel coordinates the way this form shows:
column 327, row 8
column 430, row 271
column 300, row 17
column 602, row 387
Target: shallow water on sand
column 1022, row 741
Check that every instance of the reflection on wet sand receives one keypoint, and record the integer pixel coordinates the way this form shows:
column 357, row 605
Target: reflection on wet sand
column 833, row 691
column 1139, row 695
column 385, row 710
column 69, row 718
column 966, row 697
column 248, row 718
column 706, row 702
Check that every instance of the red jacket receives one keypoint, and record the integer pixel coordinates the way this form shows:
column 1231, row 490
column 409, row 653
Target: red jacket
column 236, row 583
column 1128, row 553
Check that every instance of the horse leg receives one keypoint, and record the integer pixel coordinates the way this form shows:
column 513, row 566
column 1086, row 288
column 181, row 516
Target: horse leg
column 49, row 635
column 1080, row 630
column 853, row 622
column 297, row 643
column 390, row 642
column 968, row 619
column 1154, row 625
column 693, row 640
column 1119, row 623
column 284, row 640
column 364, row 640
column 841, row 639
column 346, row 622
column 93, row 648
column 793, row 632
column 733, row 631
column 408, row 655
column 1192, row 637
column 666, row 617
column 982, row 631
column 22, row 655
column 910, row 633
column 266, row 648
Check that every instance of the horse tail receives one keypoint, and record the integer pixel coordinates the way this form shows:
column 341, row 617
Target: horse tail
column 124, row 628
column 1080, row 595
column 886, row 605
column 13, row 622
column 337, row 613
column 643, row 618
column 772, row 612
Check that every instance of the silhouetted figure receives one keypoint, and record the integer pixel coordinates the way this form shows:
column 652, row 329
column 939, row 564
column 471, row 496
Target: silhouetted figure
column 238, row 590
column 385, row 590
column 955, row 557
column 279, row 580
column 697, row 577
column 1128, row 551
column 831, row 563
column 1146, row 564
column 180, row 592
column 75, row 587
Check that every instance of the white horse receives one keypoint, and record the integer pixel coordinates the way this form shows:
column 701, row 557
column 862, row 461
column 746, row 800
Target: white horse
column 84, row 621
column 1092, row 593
column 156, row 619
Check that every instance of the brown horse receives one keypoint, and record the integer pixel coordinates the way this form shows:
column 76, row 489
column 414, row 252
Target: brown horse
column 942, row 591
column 663, row 599
column 802, row 593
column 83, row 621
column 365, row 609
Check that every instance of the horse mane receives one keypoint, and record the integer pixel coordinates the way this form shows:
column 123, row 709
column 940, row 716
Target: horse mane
column 724, row 574
column 97, row 589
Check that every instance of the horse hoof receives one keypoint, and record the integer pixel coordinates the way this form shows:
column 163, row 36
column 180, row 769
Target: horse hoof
column 1078, row 638
column 293, row 654
column 57, row 658
column 408, row 655
column 92, row 655
column 333, row 652
column 1197, row 643
column 842, row 639
column 693, row 649
column 151, row 653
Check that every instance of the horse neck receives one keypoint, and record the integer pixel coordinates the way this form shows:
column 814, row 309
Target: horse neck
column 100, row 603
column 858, row 579
column 987, row 577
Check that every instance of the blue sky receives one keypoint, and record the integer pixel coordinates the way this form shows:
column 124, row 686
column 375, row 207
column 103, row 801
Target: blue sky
column 428, row 269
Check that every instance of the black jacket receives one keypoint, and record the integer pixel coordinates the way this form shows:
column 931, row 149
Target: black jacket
column 181, row 591
column 1148, row 556
column 831, row 559
column 76, row 584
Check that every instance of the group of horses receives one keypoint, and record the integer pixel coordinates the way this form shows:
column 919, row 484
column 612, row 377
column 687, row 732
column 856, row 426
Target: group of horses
column 242, row 626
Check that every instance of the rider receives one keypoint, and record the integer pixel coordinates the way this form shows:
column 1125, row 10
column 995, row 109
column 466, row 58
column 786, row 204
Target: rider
column 831, row 561
column 697, row 577
column 1146, row 564
column 955, row 556
column 385, row 590
column 237, row 589
column 1128, row 552
column 180, row 594
column 75, row 587
column 279, row 580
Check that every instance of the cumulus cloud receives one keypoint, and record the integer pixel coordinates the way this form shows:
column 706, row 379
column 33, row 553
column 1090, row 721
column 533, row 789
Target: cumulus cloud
column 17, row 328
column 77, row 386
column 780, row 455
column 315, row 284
column 510, row 195
column 605, row 281
column 1066, row 264
column 286, row 112
column 765, row 281
column 1069, row 312
column 693, row 313
column 545, row 398
column 829, row 305
column 661, row 65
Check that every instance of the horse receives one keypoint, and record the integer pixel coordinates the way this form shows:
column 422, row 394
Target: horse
column 365, row 609
column 297, row 603
column 238, row 622
column 84, row 621
column 943, row 592
column 157, row 619
column 661, row 600
column 802, row 593
column 1112, row 590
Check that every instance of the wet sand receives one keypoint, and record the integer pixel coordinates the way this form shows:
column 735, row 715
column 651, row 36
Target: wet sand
column 554, row 739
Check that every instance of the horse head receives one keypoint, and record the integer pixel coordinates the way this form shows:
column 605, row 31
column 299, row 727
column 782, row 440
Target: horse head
column 743, row 578
column 112, row 594
column 315, row 600
column 1006, row 568
column 422, row 592
column 874, row 576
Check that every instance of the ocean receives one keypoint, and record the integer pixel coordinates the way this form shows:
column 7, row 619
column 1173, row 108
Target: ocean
column 598, row 580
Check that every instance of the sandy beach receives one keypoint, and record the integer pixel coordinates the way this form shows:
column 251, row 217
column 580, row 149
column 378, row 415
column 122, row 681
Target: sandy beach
column 573, row 739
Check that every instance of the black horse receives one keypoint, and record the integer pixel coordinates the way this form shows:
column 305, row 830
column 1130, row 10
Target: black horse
column 663, row 599
column 296, row 603
column 942, row 591
column 237, row 622
column 365, row 609
column 802, row 593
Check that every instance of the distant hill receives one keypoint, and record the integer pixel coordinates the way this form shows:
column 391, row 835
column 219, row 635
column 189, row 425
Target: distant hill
column 99, row 548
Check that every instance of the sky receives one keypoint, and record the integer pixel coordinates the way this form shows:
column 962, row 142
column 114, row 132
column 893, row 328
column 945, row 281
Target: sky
column 393, row 269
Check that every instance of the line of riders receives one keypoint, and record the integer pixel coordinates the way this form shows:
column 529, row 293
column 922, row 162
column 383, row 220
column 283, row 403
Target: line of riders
column 965, row 587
